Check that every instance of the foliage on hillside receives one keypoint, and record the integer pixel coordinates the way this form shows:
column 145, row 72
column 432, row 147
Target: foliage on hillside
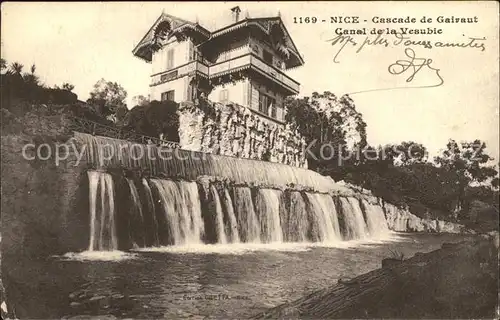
column 325, row 120
column 154, row 119
column 18, row 86
column 27, row 104
column 398, row 173
column 109, row 97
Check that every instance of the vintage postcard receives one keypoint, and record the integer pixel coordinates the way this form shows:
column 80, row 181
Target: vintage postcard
column 237, row 160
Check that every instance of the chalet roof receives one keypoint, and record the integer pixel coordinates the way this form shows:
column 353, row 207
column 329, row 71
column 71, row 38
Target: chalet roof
column 143, row 50
column 267, row 25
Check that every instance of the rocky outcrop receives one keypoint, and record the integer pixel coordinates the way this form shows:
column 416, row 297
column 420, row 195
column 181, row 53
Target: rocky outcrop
column 233, row 130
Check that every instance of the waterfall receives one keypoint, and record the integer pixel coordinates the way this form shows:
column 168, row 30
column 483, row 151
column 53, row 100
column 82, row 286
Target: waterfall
column 172, row 215
column 161, row 211
column 136, row 222
column 233, row 223
column 93, row 184
column 102, row 217
column 221, row 232
column 298, row 223
column 192, row 211
column 151, row 208
column 249, row 226
column 169, row 210
column 268, row 208
column 182, row 211
column 375, row 219
column 399, row 222
column 355, row 226
column 108, row 152
column 325, row 222
column 328, row 206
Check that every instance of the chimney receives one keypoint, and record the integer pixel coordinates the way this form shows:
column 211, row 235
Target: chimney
column 236, row 13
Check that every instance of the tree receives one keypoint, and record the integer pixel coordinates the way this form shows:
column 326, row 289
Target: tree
column 154, row 119
column 469, row 163
column 140, row 100
column 332, row 127
column 108, row 97
column 120, row 114
column 409, row 152
column 31, row 79
column 67, row 86
column 16, row 69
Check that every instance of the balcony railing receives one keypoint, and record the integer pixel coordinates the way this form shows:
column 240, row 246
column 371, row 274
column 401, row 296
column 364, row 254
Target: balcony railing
column 276, row 74
column 227, row 66
column 250, row 60
column 179, row 71
column 87, row 126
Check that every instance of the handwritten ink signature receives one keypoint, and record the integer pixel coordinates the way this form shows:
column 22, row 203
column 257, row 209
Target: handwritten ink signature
column 343, row 40
column 414, row 65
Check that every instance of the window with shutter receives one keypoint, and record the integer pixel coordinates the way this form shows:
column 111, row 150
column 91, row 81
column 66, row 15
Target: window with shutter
column 268, row 106
column 274, row 110
column 168, row 96
column 224, row 95
column 170, row 58
column 190, row 51
column 262, row 103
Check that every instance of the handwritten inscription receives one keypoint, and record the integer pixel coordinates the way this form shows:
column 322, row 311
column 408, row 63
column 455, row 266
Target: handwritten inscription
column 414, row 65
column 399, row 39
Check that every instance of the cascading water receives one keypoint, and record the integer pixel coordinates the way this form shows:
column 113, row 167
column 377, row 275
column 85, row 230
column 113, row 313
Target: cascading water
column 249, row 227
column 153, row 230
column 399, row 222
column 221, row 230
column 102, row 213
column 233, row 223
column 107, row 152
column 161, row 212
column 375, row 219
column 192, row 211
column 136, row 222
column 167, row 196
column 181, row 205
column 325, row 222
column 297, row 222
column 268, row 209
column 355, row 226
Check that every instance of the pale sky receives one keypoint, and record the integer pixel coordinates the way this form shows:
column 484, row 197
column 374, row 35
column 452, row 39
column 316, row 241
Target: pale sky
column 80, row 43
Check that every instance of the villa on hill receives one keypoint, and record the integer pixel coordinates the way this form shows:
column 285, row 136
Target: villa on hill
column 242, row 63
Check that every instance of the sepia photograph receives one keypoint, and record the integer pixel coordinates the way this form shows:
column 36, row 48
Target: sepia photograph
column 250, row 160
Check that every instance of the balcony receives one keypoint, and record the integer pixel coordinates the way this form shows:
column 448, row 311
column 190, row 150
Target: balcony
column 242, row 62
column 178, row 72
column 231, row 65
column 255, row 63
